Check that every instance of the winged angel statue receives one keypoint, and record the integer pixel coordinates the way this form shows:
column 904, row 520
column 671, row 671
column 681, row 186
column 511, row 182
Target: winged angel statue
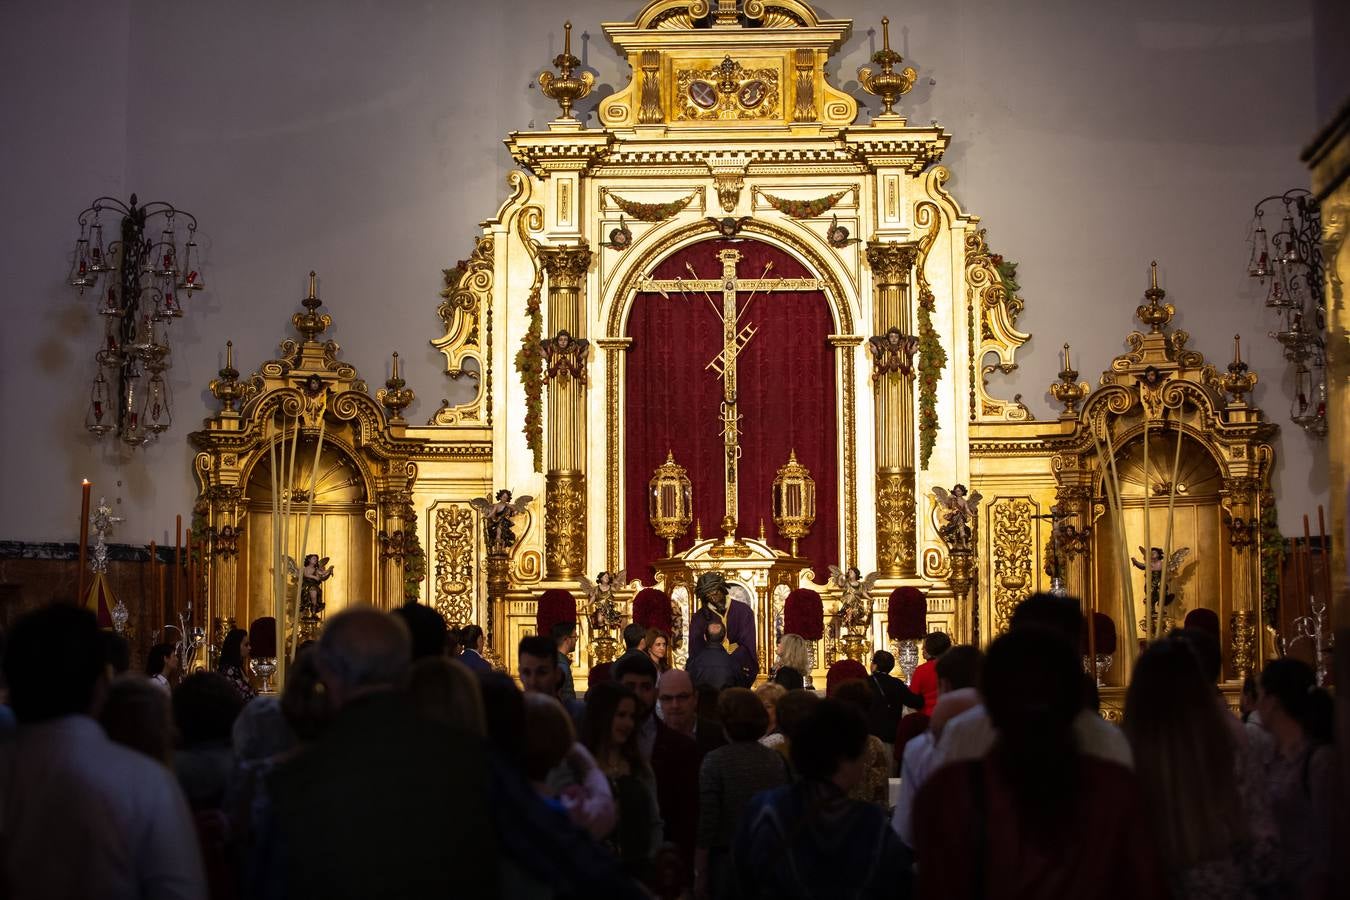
column 855, row 607
column 604, row 614
column 958, row 512
column 1157, row 561
column 497, row 518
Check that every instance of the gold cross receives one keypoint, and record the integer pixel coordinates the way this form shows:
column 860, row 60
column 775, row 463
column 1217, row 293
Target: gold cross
column 733, row 340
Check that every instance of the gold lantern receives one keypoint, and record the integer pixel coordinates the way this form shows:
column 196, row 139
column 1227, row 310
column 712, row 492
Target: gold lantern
column 794, row 501
column 671, row 498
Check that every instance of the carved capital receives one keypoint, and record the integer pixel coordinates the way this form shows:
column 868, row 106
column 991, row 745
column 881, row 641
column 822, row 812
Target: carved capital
column 896, row 548
column 565, row 524
column 566, row 266
column 891, row 262
column 650, row 111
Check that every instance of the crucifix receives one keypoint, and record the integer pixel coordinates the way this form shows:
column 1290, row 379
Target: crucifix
column 734, row 340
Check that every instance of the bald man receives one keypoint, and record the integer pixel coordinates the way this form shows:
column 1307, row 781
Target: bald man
column 678, row 703
column 378, row 763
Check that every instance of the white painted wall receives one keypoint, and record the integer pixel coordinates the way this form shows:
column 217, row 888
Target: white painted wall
column 363, row 140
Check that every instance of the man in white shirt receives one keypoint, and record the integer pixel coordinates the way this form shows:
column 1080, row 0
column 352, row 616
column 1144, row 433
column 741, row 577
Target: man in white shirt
column 161, row 664
column 971, row 735
column 82, row 816
column 958, row 671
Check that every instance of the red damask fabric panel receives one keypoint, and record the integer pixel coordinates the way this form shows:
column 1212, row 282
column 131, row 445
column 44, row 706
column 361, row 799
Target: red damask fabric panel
column 786, row 378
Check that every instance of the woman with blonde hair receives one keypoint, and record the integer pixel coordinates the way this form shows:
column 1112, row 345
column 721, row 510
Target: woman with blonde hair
column 657, row 643
column 792, row 662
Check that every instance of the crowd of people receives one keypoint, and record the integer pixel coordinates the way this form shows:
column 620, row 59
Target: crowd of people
column 398, row 762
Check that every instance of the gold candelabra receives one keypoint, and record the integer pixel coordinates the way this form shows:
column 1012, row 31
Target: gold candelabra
column 564, row 87
column 794, row 501
column 672, row 501
column 1155, row 314
column 886, row 83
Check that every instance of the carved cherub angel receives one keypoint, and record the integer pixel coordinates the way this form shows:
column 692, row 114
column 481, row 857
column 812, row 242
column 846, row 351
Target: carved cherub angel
column 958, row 512
column 855, row 607
column 604, row 608
column 565, row 357
column 497, row 515
column 1157, row 560
column 893, row 353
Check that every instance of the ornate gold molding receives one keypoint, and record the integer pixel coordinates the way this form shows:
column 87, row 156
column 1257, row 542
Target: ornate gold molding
column 896, row 517
column 454, row 574
column 1242, row 627
column 890, row 262
column 1012, row 545
column 845, row 344
column 994, row 311
column 650, row 112
column 565, row 524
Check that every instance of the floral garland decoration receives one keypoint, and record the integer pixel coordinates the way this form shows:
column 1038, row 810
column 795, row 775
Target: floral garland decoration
column 652, row 212
column 932, row 355
column 1272, row 557
column 1007, row 274
column 414, row 561
column 530, row 357
column 805, row 209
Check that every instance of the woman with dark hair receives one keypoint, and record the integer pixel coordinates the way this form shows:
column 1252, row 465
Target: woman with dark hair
column 1187, row 765
column 233, row 662
column 808, row 839
column 161, row 664
column 611, row 735
column 1298, row 714
column 1034, row 817
column 657, row 643
column 729, row 777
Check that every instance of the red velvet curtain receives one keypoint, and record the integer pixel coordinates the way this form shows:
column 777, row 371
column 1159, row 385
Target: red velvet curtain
column 786, row 381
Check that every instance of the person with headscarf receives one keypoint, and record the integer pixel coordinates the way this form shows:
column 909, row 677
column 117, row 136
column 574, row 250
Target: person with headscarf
column 715, row 605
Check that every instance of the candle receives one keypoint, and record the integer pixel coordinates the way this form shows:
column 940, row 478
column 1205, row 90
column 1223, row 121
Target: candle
column 1237, row 349
column 229, row 354
column 313, row 279
column 177, row 558
column 85, row 487
column 1068, row 366
column 395, row 364
column 886, row 32
column 1153, row 276
column 567, row 39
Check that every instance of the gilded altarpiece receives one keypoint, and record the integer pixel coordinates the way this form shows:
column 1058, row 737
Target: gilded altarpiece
column 731, row 131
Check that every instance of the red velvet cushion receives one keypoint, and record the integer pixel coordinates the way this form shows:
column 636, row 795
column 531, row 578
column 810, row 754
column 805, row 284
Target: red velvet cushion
column 262, row 637
column 907, row 614
column 804, row 615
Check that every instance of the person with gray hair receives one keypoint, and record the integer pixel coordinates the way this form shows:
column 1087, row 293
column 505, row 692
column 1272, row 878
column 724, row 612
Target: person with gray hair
column 381, row 783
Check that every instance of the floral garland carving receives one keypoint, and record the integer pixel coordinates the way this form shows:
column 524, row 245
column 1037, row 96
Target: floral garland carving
column 652, row 212
column 805, row 209
column 932, row 355
column 1272, row 558
column 530, row 357
column 1007, row 273
column 414, row 560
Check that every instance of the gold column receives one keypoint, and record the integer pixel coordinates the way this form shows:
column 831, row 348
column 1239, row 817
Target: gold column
column 565, row 480
column 1239, row 500
column 894, row 396
column 395, row 512
column 844, row 345
column 614, row 348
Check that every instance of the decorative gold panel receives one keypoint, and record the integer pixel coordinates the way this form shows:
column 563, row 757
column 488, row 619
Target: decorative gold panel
column 456, row 580
column 1012, row 545
column 726, row 90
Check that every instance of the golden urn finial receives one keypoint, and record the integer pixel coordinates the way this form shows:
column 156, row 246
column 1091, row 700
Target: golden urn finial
column 227, row 388
column 564, row 87
column 1237, row 381
column 1069, row 390
column 887, row 84
column 1155, row 314
column 394, row 396
column 311, row 323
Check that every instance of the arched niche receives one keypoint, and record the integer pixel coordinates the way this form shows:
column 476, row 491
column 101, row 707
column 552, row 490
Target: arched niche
column 340, row 526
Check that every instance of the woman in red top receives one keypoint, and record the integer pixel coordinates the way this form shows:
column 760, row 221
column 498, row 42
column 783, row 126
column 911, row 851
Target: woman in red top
column 925, row 680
